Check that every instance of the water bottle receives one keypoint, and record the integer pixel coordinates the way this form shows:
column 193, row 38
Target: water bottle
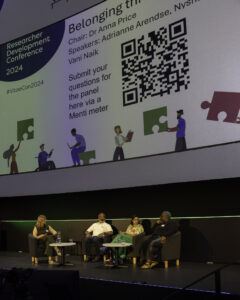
column 58, row 237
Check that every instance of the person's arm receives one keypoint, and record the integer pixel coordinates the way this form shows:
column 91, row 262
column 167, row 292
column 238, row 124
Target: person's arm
column 76, row 145
column 109, row 233
column 37, row 236
column 128, row 231
column 109, row 230
column 155, row 226
column 159, row 221
column 35, row 232
column 173, row 129
column 50, row 153
column 52, row 231
column 8, row 160
column 17, row 147
column 170, row 229
column 89, row 231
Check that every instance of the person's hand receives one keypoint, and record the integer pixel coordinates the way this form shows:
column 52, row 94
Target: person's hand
column 163, row 239
column 52, row 150
column 159, row 222
column 41, row 236
column 101, row 235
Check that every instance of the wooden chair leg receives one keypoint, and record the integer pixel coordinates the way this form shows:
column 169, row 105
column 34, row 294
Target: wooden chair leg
column 84, row 257
column 134, row 260
column 177, row 263
column 36, row 260
column 165, row 264
column 104, row 259
column 33, row 260
column 56, row 259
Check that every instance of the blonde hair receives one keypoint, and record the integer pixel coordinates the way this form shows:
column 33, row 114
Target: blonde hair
column 40, row 220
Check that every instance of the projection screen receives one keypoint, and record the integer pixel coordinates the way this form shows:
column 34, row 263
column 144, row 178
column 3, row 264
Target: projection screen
column 126, row 93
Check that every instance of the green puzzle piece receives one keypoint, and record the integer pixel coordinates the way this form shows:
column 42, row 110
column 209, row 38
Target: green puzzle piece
column 86, row 156
column 152, row 118
column 23, row 127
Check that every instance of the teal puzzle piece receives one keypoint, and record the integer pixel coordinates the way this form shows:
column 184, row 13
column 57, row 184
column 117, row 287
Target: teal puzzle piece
column 25, row 128
column 86, row 156
column 152, row 117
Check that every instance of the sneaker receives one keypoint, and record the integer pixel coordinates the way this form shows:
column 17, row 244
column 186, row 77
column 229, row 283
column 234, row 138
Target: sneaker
column 146, row 266
column 51, row 262
column 154, row 264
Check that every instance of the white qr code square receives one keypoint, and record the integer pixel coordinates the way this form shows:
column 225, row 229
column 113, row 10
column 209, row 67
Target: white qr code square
column 155, row 64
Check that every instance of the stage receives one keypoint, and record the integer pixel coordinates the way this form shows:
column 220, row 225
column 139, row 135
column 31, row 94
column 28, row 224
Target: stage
column 172, row 278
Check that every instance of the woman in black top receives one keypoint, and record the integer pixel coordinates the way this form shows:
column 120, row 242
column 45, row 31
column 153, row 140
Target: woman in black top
column 45, row 235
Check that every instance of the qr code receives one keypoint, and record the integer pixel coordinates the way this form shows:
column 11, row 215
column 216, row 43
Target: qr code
column 155, row 64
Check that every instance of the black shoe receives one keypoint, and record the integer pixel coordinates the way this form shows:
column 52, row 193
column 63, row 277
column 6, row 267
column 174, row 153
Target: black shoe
column 88, row 259
column 96, row 259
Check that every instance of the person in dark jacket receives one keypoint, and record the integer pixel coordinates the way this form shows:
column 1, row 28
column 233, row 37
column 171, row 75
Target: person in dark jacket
column 151, row 247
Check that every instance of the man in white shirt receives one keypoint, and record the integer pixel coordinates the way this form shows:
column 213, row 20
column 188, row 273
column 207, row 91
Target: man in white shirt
column 95, row 234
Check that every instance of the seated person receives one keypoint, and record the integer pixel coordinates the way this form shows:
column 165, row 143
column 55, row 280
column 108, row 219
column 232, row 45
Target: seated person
column 42, row 160
column 45, row 235
column 95, row 234
column 133, row 229
column 152, row 245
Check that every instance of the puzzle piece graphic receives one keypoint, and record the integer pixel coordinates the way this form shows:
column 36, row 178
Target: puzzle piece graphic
column 155, row 120
column 223, row 102
column 25, row 130
column 86, row 156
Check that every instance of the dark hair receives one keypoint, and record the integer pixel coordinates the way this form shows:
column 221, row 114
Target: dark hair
column 103, row 214
column 166, row 212
column 73, row 130
column 118, row 127
column 133, row 217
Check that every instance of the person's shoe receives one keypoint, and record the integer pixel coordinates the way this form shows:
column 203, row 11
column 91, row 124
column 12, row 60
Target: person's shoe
column 146, row 266
column 88, row 259
column 154, row 264
column 96, row 259
column 51, row 262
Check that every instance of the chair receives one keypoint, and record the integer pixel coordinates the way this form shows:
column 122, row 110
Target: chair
column 135, row 249
column 171, row 249
column 106, row 239
column 35, row 250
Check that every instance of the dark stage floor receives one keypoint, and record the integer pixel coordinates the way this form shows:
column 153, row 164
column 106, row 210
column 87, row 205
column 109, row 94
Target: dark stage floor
column 173, row 277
